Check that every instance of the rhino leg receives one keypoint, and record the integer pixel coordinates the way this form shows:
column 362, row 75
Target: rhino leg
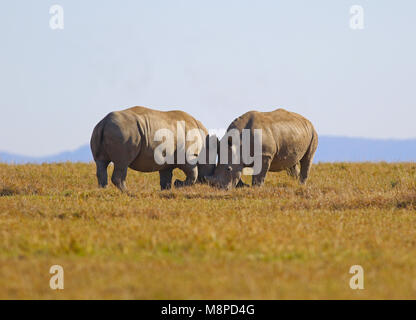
column 165, row 179
column 241, row 184
column 294, row 171
column 306, row 161
column 306, row 164
column 258, row 179
column 102, row 172
column 119, row 177
column 191, row 172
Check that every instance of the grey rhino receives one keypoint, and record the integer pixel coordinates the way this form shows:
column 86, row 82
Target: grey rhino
column 126, row 138
column 288, row 140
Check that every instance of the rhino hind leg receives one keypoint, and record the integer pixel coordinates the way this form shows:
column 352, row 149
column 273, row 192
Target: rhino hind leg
column 119, row 177
column 165, row 179
column 102, row 172
column 191, row 172
column 306, row 161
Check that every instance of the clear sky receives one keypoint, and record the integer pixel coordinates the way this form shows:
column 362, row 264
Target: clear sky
column 212, row 59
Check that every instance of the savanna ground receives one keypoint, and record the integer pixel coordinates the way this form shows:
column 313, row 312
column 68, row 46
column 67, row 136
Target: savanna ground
column 279, row 241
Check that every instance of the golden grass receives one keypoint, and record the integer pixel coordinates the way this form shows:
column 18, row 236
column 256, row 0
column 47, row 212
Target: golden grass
column 279, row 241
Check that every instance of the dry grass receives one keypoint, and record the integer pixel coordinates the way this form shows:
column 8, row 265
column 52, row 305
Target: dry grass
column 279, row 241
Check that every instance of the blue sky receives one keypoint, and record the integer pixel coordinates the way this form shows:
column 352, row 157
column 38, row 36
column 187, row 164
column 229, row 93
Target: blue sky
column 213, row 59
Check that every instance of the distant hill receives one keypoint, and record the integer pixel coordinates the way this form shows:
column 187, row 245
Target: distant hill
column 330, row 149
column 82, row 154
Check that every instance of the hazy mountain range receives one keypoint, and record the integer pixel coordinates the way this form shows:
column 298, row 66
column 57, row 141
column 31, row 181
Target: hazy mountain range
column 330, row 149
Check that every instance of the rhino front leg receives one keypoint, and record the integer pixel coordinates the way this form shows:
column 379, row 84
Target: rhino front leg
column 165, row 179
column 241, row 184
column 191, row 172
column 294, row 171
column 258, row 179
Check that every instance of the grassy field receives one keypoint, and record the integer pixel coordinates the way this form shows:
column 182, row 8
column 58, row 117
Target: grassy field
column 279, row 241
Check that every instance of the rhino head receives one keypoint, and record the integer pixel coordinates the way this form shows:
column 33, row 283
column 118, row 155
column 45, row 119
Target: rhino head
column 227, row 174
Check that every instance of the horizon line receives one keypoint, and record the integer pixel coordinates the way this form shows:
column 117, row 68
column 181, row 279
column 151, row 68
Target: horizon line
column 11, row 153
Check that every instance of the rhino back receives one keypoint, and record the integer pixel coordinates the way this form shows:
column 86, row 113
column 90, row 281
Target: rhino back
column 286, row 136
column 148, row 123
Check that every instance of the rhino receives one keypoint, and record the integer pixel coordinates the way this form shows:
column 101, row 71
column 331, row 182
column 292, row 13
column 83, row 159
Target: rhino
column 127, row 138
column 288, row 142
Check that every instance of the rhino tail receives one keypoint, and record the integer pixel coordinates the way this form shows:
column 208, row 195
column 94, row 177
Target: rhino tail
column 97, row 140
